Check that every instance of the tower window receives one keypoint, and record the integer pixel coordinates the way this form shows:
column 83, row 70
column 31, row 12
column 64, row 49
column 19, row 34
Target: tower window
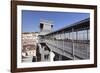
column 51, row 26
column 41, row 26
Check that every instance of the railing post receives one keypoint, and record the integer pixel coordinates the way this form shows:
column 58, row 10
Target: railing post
column 87, row 41
column 57, row 40
column 60, row 42
column 63, row 41
column 73, row 43
column 87, row 34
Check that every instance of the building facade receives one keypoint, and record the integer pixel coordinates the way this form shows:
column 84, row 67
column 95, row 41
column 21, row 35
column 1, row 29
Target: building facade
column 29, row 45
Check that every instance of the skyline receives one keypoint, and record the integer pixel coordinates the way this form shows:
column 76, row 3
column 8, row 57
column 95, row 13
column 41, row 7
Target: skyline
column 31, row 19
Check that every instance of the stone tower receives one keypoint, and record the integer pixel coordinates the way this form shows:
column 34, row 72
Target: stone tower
column 46, row 27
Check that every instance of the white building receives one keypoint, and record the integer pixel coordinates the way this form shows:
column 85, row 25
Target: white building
column 29, row 44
